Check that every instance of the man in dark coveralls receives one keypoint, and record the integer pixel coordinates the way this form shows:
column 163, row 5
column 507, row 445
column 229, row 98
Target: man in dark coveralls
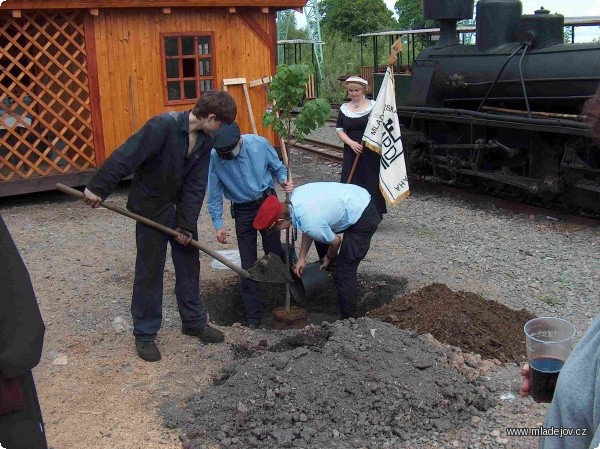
column 21, row 340
column 169, row 158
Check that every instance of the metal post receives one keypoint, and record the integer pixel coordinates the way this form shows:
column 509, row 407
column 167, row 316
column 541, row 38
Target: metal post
column 317, row 77
column 362, row 53
column 375, row 55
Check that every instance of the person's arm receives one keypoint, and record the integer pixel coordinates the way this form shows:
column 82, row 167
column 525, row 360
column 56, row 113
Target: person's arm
column 339, row 129
column 278, row 169
column 193, row 189
column 332, row 252
column 215, row 202
column 21, row 325
column 142, row 145
column 305, row 244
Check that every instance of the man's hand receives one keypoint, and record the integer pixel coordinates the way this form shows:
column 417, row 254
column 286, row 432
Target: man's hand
column 325, row 262
column 300, row 264
column 184, row 236
column 525, row 385
column 222, row 236
column 288, row 186
column 91, row 198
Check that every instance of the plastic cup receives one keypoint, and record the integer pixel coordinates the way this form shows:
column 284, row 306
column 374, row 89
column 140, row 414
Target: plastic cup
column 548, row 341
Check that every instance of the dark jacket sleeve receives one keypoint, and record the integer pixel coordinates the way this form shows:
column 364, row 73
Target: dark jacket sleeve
column 193, row 190
column 144, row 144
column 21, row 325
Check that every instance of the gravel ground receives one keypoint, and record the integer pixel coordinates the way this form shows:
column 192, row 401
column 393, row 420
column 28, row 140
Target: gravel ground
column 96, row 393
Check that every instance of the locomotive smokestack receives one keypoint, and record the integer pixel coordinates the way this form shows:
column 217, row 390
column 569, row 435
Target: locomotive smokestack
column 448, row 13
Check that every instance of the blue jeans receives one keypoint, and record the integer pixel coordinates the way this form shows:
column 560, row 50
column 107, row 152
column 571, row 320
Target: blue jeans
column 146, row 303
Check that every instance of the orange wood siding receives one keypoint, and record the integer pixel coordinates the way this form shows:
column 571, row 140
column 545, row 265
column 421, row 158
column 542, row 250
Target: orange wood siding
column 130, row 72
column 76, row 4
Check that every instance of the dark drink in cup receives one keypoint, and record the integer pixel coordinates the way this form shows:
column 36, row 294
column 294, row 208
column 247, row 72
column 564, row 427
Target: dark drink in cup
column 548, row 341
column 543, row 375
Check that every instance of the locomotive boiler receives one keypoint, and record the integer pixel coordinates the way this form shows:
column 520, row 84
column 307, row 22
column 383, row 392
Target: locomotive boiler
column 504, row 115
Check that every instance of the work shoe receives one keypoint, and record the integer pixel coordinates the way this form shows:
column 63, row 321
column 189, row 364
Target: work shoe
column 147, row 350
column 207, row 334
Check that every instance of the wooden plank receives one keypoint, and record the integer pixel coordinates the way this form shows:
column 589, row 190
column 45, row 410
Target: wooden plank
column 95, row 108
column 232, row 81
column 249, row 106
column 261, row 81
column 86, row 4
column 38, row 184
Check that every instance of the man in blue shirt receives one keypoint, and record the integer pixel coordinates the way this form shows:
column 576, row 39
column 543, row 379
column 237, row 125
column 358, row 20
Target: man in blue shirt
column 242, row 168
column 168, row 158
column 321, row 211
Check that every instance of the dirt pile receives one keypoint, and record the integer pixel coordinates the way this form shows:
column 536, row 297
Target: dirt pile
column 461, row 319
column 350, row 384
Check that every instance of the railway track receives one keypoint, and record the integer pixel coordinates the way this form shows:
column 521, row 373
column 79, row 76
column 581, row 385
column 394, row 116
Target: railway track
column 321, row 149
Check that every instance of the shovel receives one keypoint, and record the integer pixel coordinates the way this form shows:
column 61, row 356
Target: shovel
column 269, row 268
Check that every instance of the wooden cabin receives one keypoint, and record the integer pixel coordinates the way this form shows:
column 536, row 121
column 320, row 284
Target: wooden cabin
column 77, row 77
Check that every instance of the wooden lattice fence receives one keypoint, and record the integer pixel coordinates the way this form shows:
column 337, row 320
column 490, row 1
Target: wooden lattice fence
column 45, row 112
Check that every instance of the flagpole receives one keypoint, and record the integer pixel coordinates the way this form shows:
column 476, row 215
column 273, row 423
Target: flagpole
column 392, row 58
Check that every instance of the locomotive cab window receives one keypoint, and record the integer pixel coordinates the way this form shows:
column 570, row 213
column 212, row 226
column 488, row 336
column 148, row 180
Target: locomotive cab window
column 188, row 66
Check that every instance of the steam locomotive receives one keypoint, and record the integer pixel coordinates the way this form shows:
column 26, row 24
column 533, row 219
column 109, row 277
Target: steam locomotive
column 504, row 115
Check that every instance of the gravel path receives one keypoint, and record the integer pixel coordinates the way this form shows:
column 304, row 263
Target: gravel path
column 81, row 262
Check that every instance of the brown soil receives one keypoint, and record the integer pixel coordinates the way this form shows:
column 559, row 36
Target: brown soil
column 294, row 318
column 460, row 319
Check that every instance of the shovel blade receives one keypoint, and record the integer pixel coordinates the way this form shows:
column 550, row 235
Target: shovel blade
column 271, row 269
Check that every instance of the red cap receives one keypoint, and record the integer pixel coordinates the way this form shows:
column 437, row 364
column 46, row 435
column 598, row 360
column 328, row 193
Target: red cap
column 269, row 213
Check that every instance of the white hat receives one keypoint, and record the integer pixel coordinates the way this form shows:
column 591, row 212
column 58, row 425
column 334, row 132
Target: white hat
column 356, row 79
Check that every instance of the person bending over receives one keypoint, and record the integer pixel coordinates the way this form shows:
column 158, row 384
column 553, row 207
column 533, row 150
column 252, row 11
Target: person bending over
column 321, row 211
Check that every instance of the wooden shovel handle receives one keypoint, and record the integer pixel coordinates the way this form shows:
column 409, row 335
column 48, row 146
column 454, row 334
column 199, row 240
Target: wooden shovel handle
column 77, row 194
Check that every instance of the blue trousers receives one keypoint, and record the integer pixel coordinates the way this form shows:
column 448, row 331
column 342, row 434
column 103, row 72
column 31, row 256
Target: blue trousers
column 146, row 303
column 247, row 241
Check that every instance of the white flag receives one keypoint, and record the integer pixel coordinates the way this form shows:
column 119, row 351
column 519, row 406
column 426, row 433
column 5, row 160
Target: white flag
column 382, row 135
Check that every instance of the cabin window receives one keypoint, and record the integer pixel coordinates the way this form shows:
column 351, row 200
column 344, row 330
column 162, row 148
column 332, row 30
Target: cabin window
column 188, row 66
